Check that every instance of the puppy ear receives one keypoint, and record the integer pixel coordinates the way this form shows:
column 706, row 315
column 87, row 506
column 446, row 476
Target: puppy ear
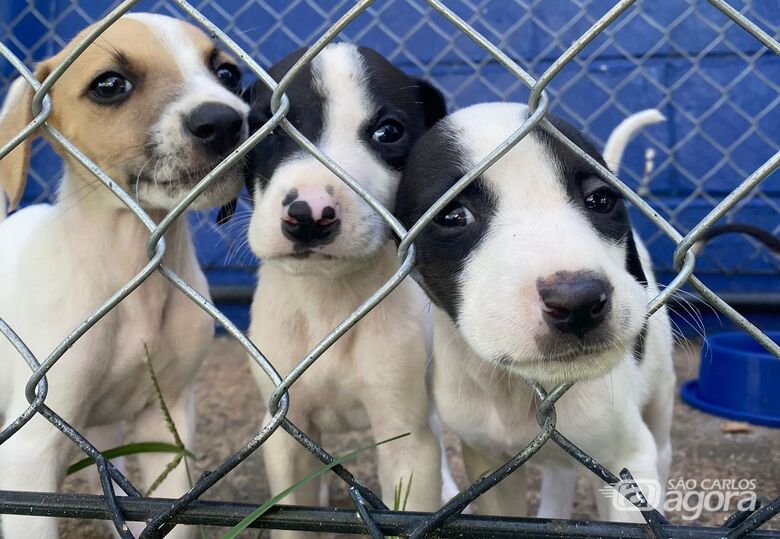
column 248, row 94
column 257, row 118
column 633, row 261
column 226, row 212
column 15, row 114
column 433, row 102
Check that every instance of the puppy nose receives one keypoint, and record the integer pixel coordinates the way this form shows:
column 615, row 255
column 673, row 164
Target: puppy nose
column 310, row 217
column 216, row 125
column 574, row 302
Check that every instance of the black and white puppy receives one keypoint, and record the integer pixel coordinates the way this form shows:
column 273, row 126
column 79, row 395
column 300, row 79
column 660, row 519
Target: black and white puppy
column 324, row 250
column 535, row 272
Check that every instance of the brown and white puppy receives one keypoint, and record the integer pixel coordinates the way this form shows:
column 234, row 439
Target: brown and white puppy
column 154, row 103
column 325, row 251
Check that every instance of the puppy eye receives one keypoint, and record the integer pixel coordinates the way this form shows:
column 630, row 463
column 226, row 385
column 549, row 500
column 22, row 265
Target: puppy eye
column 453, row 215
column 110, row 88
column 230, row 76
column 388, row 131
column 601, row 200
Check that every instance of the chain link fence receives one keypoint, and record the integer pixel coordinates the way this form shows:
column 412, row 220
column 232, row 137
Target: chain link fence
column 717, row 86
column 561, row 58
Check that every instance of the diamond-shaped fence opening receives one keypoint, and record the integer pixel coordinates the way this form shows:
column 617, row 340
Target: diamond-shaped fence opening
column 715, row 156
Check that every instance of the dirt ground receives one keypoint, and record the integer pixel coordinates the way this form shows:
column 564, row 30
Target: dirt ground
column 230, row 410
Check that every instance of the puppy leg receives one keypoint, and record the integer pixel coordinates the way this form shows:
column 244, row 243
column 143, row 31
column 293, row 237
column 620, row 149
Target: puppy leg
column 33, row 459
column 286, row 463
column 658, row 416
column 449, row 487
column 604, row 496
column 636, row 451
column 151, row 426
column 557, row 496
column 612, row 507
column 508, row 498
column 392, row 359
column 415, row 457
column 664, row 466
column 324, row 493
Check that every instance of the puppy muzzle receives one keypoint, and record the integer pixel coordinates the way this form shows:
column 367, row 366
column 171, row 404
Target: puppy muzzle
column 310, row 217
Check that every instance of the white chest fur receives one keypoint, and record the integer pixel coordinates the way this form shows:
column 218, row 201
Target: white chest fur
column 71, row 266
column 492, row 409
column 291, row 314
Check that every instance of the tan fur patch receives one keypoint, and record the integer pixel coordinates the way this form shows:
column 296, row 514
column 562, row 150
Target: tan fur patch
column 112, row 135
column 145, row 50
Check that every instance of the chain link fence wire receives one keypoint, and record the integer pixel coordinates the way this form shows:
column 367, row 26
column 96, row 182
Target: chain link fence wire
column 718, row 87
column 463, row 26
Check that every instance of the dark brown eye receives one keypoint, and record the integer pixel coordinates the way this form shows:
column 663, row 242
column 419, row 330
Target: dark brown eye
column 388, row 131
column 454, row 215
column 601, row 200
column 110, row 88
column 229, row 76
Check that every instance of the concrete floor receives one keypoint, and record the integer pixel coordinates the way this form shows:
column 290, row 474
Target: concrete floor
column 230, row 410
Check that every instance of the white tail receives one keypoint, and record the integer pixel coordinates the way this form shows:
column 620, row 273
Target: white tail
column 624, row 132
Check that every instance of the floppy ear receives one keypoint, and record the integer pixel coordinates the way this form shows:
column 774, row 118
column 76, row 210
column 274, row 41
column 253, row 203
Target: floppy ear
column 255, row 121
column 633, row 261
column 434, row 105
column 14, row 116
column 248, row 93
column 226, row 212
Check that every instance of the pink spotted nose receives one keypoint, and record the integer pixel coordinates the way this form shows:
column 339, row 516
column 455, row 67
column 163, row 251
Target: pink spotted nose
column 310, row 216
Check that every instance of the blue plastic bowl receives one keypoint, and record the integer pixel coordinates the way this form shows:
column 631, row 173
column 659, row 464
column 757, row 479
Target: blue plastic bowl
column 738, row 379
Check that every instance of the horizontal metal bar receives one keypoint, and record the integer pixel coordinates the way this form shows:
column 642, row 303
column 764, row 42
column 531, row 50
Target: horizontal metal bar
column 232, row 294
column 316, row 519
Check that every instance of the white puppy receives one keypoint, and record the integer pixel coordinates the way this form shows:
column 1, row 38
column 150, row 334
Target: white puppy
column 155, row 105
column 324, row 251
column 536, row 273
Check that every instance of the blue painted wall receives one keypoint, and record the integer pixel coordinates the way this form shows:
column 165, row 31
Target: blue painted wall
column 719, row 89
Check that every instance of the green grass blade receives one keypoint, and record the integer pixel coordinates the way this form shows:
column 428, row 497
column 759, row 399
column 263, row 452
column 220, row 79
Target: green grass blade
column 131, row 449
column 408, row 491
column 260, row 511
column 172, row 465
column 399, row 491
column 161, row 400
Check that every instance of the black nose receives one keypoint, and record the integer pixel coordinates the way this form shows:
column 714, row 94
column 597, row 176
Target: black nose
column 216, row 125
column 574, row 302
column 301, row 228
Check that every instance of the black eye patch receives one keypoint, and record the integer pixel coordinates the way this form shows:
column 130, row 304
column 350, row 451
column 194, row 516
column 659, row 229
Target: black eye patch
column 581, row 180
column 406, row 108
column 404, row 105
column 388, row 137
column 306, row 114
column 434, row 166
